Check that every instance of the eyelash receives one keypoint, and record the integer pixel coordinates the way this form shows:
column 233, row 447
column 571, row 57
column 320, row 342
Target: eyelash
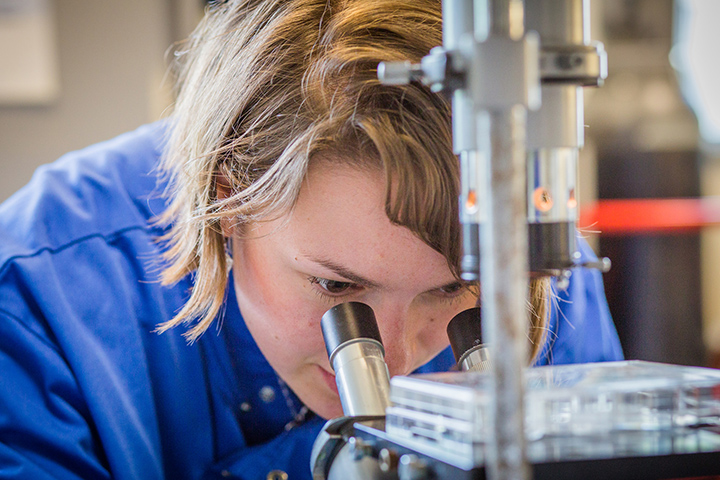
column 451, row 297
column 321, row 287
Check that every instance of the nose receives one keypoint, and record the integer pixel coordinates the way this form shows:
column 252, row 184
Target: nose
column 399, row 336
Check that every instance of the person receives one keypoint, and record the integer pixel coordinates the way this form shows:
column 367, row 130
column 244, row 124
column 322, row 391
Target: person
column 286, row 180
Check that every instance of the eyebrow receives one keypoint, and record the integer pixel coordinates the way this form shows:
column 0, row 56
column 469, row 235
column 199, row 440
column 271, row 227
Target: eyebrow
column 344, row 272
column 360, row 280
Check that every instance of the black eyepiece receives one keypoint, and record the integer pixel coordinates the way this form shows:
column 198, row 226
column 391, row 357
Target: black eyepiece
column 348, row 321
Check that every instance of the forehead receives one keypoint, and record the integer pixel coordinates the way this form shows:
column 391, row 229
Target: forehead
column 340, row 216
column 334, row 190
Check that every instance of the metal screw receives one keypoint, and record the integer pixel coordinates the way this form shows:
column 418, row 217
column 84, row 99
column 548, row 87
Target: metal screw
column 267, row 394
column 412, row 468
column 277, row 475
column 388, row 460
column 358, row 448
column 568, row 61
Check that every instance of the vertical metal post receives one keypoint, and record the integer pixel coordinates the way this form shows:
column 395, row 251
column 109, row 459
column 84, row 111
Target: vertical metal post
column 504, row 260
column 497, row 67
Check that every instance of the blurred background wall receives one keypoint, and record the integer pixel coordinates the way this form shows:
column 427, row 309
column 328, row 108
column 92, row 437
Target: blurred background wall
column 642, row 141
column 645, row 140
column 111, row 60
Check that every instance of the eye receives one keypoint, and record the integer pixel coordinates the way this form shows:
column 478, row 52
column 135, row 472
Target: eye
column 455, row 290
column 333, row 287
column 452, row 288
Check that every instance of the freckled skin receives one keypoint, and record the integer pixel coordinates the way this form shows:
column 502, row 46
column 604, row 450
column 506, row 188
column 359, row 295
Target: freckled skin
column 340, row 217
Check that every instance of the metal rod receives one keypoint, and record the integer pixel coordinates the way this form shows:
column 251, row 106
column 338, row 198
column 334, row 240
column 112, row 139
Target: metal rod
column 504, row 283
column 504, row 260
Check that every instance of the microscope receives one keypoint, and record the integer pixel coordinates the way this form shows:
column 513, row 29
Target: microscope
column 514, row 71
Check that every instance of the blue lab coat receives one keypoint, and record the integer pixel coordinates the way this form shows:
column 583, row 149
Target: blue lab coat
column 87, row 390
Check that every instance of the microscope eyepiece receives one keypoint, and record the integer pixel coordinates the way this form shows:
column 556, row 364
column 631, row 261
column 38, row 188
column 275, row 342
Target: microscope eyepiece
column 465, row 334
column 349, row 322
column 357, row 356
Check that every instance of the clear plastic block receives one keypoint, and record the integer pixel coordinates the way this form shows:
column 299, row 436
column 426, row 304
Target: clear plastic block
column 571, row 411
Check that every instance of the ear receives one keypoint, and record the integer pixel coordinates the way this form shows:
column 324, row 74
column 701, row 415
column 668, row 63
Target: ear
column 222, row 186
column 224, row 191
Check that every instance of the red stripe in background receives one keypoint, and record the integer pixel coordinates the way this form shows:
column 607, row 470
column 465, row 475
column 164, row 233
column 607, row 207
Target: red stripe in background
column 650, row 215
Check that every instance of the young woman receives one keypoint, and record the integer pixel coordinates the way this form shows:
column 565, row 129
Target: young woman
column 286, row 180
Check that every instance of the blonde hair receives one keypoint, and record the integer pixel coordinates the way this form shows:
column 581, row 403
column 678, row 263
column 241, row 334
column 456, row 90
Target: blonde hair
column 266, row 86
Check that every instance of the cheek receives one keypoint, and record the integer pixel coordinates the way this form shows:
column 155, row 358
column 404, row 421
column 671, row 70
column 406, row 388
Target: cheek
column 278, row 308
column 433, row 334
column 433, row 329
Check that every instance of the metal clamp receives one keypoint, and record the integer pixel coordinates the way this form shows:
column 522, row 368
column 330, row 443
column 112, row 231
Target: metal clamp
column 582, row 65
column 336, row 435
column 512, row 79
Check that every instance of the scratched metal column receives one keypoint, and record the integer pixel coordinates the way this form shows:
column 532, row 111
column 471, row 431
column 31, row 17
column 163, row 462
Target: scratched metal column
column 504, row 261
